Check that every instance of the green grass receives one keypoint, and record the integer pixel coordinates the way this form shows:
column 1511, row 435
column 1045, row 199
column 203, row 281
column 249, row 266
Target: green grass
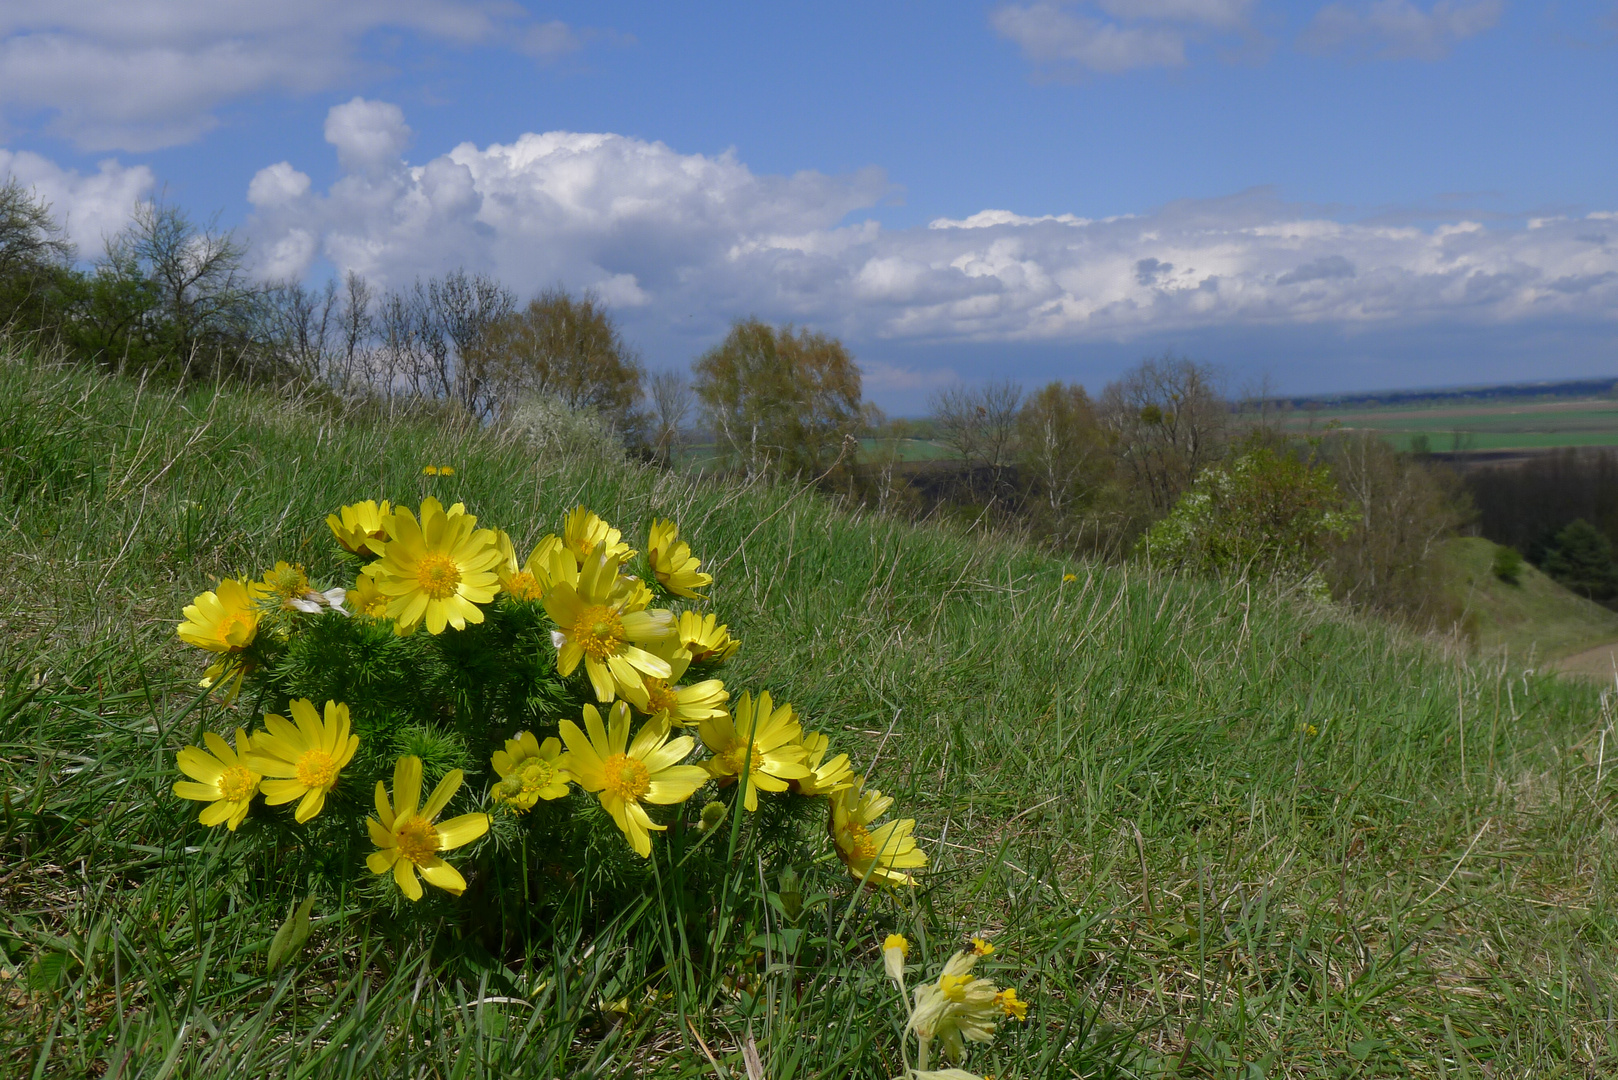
column 1533, row 620
column 1475, row 426
column 1214, row 832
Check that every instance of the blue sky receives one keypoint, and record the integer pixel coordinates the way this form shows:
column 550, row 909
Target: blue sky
column 1355, row 194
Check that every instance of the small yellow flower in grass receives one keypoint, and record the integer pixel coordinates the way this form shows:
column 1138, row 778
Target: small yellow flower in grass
column 408, row 839
column 894, row 950
column 706, row 639
column 825, row 777
column 582, row 530
column 760, row 740
column 437, row 571
column 361, row 528
column 956, row 1008
column 625, row 775
column 429, row 470
column 530, row 771
column 446, row 470
column 595, row 628
column 672, row 561
column 222, row 779
column 981, row 947
column 366, row 599
column 879, row 854
column 302, row 760
column 1013, row 1006
column 1068, row 578
column 683, row 706
column 222, row 621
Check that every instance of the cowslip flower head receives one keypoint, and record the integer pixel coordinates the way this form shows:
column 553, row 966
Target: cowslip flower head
column 672, row 562
column 529, row 771
column 626, row 776
column 683, row 706
column 437, row 571
column 224, row 620
column 955, row 1009
column 362, row 527
column 825, row 777
column 894, row 950
column 220, row 777
column 583, row 530
column 594, row 627
column 880, row 854
column 707, row 640
column 302, row 759
column 408, row 839
column 760, row 740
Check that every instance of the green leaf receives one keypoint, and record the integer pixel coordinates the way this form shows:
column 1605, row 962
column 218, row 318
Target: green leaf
column 290, row 938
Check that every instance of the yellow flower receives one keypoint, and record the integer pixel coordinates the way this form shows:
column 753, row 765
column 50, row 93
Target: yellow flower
column 429, row 470
column 981, row 947
column 582, row 530
column 361, row 528
column 407, row 840
column 438, row 571
column 879, row 855
column 229, row 670
column 366, row 599
column 625, row 776
column 221, row 779
column 683, row 706
column 303, row 761
column 957, row 1007
column 761, row 741
column 596, row 628
column 825, row 777
column 894, row 950
column 706, row 639
column 529, row 771
column 532, row 579
column 282, row 585
column 224, row 621
column 1011, row 1005
column 446, row 470
column 633, row 593
column 673, row 562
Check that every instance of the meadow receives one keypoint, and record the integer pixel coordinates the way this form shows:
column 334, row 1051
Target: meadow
column 1210, row 830
column 1462, row 426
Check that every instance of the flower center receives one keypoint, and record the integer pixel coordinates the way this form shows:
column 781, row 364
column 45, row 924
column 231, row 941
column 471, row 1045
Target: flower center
column 316, row 769
column 523, row 586
column 734, row 757
column 237, row 783
column 537, row 774
column 627, row 777
column 660, row 696
column 418, row 840
column 600, row 631
column 438, row 575
column 953, row 987
column 289, row 582
column 236, row 629
column 860, row 845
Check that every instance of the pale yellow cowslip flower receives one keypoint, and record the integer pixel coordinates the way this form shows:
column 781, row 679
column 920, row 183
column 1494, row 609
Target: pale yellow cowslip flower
column 894, row 950
column 955, row 1009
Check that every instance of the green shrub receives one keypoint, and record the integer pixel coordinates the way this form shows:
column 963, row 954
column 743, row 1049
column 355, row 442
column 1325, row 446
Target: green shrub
column 1508, row 563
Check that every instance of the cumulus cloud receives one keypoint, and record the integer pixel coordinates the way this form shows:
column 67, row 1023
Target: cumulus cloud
column 693, row 240
column 1399, row 29
column 1067, row 38
column 143, row 74
column 90, row 207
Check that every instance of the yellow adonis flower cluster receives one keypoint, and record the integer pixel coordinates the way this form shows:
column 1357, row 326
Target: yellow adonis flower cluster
column 577, row 606
column 953, row 1009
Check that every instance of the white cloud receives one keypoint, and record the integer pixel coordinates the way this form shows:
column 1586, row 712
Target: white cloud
column 90, row 207
column 1063, row 38
column 143, row 74
column 277, row 184
column 369, row 135
column 1399, row 29
column 688, row 240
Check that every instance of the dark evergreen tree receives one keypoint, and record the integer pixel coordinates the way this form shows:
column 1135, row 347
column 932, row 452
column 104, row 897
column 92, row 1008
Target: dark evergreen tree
column 1581, row 559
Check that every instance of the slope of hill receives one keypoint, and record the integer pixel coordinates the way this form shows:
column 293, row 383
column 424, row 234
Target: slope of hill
column 1531, row 621
column 1211, row 832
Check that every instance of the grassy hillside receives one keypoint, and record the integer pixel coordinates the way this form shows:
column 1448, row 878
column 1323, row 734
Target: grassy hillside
column 1530, row 621
column 1211, row 832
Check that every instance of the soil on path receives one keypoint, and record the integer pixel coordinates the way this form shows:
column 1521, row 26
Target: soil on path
column 1599, row 663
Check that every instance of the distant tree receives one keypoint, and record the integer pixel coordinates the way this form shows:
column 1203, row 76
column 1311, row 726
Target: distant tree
column 671, row 408
column 780, row 400
column 35, row 255
column 979, row 423
column 1063, row 453
column 567, row 348
column 1581, row 559
column 1169, row 422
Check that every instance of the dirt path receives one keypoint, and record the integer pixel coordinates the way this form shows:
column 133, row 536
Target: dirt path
column 1600, row 663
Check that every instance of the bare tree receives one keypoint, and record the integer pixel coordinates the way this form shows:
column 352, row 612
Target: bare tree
column 461, row 308
column 1169, row 420
column 299, row 325
column 355, row 328
column 30, row 238
column 671, row 408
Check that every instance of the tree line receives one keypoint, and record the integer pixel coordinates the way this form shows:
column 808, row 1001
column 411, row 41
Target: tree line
column 1159, row 465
